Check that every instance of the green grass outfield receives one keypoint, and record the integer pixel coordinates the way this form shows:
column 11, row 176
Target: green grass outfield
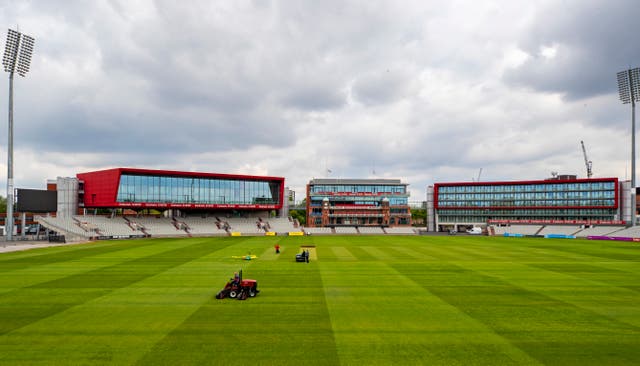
column 366, row 300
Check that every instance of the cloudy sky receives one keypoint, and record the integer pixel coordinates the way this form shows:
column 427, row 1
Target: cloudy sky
column 424, row 91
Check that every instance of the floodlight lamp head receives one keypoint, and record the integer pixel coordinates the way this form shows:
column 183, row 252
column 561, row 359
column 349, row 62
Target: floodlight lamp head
column 10, row 51
column 629, row 85
column 634, row 75
column 17, row 53
column 623, row 87
column 24, row 58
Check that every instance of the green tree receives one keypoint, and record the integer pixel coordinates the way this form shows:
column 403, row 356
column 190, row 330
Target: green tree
column 3, row 204
column 419, row 216
column 300, row 215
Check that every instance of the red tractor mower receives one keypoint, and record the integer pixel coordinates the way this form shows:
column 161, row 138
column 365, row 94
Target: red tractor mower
column 240, row 289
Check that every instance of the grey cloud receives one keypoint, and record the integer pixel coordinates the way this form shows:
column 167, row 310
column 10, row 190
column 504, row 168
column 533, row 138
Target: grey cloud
column 595, row 40
column 95, row 130
column 162, row 84
column 315, row 99
column 381, row 87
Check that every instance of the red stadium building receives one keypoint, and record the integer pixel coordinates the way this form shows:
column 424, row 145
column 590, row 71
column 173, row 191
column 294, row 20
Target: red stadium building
column 129, row 202
column 165, row 190
column 559, row 200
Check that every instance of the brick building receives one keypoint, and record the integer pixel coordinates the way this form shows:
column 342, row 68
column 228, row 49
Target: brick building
column 357, row 202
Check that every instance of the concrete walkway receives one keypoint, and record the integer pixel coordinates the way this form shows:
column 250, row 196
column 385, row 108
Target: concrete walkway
column 14, row 246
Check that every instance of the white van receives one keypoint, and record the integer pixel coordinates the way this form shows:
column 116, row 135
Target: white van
column 475, row 231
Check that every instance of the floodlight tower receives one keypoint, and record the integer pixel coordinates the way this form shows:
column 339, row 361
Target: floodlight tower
column 17, row 58
column 629, row 88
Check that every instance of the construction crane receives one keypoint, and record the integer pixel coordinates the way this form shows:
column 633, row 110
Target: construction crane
column 477, row 180
column 587, row 162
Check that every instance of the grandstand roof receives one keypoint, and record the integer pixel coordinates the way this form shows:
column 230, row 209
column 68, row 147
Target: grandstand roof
column 356, row 181
column 176, row 173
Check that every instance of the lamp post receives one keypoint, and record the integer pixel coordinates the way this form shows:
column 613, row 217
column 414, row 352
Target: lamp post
column 17, row 58
column 629, row 88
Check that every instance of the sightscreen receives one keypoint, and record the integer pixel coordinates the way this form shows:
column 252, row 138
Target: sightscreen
column 35, row 200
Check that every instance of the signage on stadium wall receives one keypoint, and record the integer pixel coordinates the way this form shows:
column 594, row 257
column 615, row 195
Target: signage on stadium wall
column 616, row 238
column 193, row 205
column 109, row 237
column 354, row 193
column 575, row 222
column 355, row 207
column 559, row 236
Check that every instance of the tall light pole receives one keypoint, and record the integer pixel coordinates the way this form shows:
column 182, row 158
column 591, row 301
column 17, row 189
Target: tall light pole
column 17, row 58
column 629, row 88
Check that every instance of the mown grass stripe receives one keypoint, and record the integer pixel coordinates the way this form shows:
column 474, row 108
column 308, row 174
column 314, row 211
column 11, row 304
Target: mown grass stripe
column 38, row 257
column 119, row 327
column 594, row 250
column 361, row 254
column 515, row 313
column 438, row 252
column 544, row 253
column 269, row 254
column 126, row 273
column 476, row 254
column 408, row 253
column 343, row 254
column 562, row 314
column 388, row 319
column 585, row 286
column 529, row 249
column 293, row 327
column 378, row 253
column 17, row 307
column 33, row 275
column 464, row 254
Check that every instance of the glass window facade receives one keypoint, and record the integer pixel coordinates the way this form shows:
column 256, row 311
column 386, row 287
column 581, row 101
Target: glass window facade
column 167, row 189
column 541, row 200
column 358, row 194
column 358, row 188
column 543, row 195
column 371, row 201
